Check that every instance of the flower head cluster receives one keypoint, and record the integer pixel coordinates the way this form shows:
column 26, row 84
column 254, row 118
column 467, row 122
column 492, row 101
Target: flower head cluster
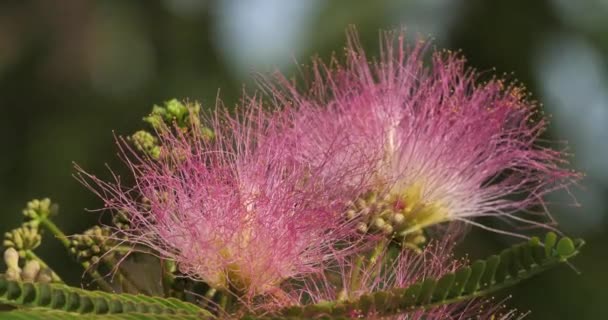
column 233, row 210
column 259, row 203
column 440, row 144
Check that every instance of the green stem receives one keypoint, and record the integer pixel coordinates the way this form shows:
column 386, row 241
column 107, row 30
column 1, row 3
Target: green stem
column 30, row 255
column 376, row 254
column 224, row 301
column 209, row 294
column 378, row 250
column 49, row 225
column 168, row 277
column 355, row 279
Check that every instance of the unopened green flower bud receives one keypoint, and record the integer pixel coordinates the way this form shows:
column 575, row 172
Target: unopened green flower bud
column 154, row 120
column 210, row 293
column 379, row 223
column 88, row 241
column 207, row 133
column 362, row 227
column 351, row 214
column 12, row 274
column 372, row 198
column 121, row 221
column 176, row 109
column 17, row 240
column 145, row 142
column 398, row 218
column 361, row 203
column 387, row 229
column 30, row 270
column 93, row 243
column 172, row 111
column 45, row 276
column 82, row 255
column 11, row 258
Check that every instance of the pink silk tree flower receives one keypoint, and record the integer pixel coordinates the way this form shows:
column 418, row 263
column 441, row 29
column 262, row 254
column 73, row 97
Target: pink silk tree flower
column 440, row 144
column 232, row 210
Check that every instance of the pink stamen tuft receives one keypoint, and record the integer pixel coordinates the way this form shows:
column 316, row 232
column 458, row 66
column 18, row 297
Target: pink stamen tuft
column 470, row 148
column 234, row 211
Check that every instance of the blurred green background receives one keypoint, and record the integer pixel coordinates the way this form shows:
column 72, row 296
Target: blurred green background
column 72, row 72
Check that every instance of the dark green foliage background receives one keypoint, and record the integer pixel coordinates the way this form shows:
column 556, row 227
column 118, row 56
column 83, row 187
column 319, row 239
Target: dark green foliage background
column 53, row 112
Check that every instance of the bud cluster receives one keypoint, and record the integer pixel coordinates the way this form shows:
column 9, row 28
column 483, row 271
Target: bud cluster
column 172, row 111
column 247, row 202
column 121, row 221
column 32, row 271
column 402, row 217
column 146, row 143
column 172, row 114
column 91, row 245
column 22, row 239
column 28, row 236
column 39, row 209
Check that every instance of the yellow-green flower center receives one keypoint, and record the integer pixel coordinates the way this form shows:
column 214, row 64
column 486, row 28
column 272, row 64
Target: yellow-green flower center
column 401, row 214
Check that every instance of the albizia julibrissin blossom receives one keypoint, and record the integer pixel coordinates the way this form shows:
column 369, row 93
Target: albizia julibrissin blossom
column 441, row 144
column 232, row 210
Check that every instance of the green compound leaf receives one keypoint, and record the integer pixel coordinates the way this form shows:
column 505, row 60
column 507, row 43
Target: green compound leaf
column 483, row 277
column 47, row 314
column 45, row 296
